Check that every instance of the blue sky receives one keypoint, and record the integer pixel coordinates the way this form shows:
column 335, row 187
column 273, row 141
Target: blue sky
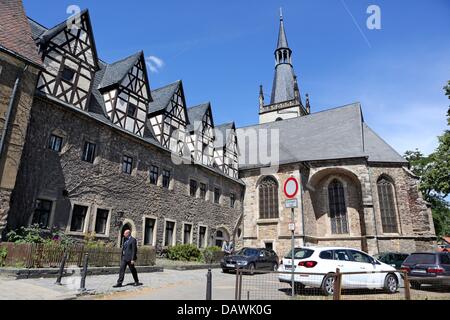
column 223, row 51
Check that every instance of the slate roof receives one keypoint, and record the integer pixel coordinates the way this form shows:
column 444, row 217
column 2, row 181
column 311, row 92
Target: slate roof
column 162, row 97
column 116, row 72
column 283, row 84
column 282, row 39
column 221, row 133
column 15, row 32
column 195, row 115
column 338, row 133
column 377, row 149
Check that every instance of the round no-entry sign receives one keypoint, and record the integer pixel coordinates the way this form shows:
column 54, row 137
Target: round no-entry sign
column 291, row 188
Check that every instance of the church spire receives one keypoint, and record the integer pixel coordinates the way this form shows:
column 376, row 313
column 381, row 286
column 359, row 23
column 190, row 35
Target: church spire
column 283, row 84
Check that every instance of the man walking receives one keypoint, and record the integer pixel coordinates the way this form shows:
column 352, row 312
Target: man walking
column 129, row 257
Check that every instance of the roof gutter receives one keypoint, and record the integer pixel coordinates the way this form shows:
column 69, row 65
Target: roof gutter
column 9, row 110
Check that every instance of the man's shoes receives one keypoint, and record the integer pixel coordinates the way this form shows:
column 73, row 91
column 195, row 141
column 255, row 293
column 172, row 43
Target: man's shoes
column 119, row 285
column 137, row 284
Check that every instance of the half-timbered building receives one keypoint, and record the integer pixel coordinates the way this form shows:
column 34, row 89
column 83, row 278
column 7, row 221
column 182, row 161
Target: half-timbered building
column 100, row 147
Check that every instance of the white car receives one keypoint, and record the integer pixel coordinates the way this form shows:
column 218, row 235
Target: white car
column 322, row 263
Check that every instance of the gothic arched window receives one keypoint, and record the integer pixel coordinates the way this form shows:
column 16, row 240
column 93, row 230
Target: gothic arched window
column 387, row 205
column 338, row 208
column 268, row 198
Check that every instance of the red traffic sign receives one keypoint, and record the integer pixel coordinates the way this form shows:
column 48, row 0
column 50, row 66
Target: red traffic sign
column 291, row 188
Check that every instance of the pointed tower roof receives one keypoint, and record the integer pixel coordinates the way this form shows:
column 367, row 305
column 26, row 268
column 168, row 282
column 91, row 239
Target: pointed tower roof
column 282, row 39
column 283, row 88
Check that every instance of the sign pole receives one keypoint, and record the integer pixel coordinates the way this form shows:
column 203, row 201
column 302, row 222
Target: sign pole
column 292, row 255
column 291, row 188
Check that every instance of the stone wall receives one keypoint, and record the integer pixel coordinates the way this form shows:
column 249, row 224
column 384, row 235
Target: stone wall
column 361, row 199
column 66, row 180
column 10, row 69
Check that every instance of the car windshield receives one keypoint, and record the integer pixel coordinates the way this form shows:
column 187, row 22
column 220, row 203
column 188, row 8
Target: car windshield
column 247, row 252
column 300, row 253
column 421, row 258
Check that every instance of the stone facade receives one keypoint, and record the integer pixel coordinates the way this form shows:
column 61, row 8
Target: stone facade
column 12, row 68
column 65, row 179
column 359, row 180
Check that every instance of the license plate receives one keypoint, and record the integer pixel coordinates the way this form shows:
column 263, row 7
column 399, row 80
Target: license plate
column 288, row 266
column 419, row 271
column 230, row 265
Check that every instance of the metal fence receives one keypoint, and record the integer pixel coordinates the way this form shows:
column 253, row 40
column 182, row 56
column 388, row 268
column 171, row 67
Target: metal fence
column 50, row 256
column 260, row 285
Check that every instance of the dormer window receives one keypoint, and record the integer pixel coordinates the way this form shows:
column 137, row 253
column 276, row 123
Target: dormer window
column 68, row 74
column 131, row 110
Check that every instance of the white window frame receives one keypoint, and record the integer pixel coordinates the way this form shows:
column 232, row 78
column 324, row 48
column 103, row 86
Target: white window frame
column 155, row 229
column 86, row 220
column 174, row 236
column 94, row 221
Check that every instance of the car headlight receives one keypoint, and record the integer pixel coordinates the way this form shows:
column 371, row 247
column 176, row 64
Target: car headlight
column 242, row 263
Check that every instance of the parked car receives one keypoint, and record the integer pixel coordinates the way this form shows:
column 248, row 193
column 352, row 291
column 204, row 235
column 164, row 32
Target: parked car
column 444, row 248
column 251, row 259
column 394, row 259
column 431, row 268
column 326, row 260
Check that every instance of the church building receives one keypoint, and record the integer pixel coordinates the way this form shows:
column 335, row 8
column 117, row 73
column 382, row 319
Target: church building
column 356, row 190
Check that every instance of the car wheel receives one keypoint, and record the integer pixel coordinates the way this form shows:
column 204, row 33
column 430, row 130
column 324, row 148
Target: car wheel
column 251, row 269
column 328, row 285
column 391, row 284
column 415, row 285
column 275, row 267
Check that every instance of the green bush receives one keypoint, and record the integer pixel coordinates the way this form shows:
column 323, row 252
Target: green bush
column 34, row 234
column 211, row 254
column 184, row 252
column 3, row 254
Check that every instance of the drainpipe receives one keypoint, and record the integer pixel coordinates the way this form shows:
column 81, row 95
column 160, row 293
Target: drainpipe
column 9, row 111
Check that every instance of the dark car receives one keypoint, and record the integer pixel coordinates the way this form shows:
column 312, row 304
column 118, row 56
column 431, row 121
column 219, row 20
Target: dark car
column 432, row 268
column 394, row 259
column 251, row 259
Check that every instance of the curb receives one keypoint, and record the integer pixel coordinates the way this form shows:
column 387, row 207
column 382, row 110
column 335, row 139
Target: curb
column 191, row 267
column 19, row 274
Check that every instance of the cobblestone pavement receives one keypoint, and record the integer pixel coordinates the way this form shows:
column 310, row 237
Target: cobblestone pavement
column 179, row 285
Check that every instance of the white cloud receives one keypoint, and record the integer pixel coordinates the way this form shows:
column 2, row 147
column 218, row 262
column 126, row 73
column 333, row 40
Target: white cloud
column 155, row 64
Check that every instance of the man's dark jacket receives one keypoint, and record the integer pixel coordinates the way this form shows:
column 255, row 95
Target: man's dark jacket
column 129, row 249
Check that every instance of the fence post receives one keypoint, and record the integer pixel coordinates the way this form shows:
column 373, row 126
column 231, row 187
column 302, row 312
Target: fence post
column 84, row 274
column 236, row 289
column 407, row 287
column 337, row 285
column 61, row 268
column 209, row 285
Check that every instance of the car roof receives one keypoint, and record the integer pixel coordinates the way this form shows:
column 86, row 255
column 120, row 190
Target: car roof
column 327, row 248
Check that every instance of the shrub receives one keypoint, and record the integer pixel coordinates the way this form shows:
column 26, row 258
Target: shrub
column 3, row 254
column 211, row 254
column 26, row 235
column 184, row 252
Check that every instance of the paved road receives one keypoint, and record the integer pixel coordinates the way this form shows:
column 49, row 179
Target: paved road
column 183, row 285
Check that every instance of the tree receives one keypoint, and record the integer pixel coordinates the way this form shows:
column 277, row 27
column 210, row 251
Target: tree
column 434, row 174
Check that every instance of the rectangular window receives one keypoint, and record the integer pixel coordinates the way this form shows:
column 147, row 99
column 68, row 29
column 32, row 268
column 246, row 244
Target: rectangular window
column 101, row 221
column 89, row 152
column 154, row 173
column 127, row 165
column 202, row 237
column 232, row 200
column 216, row 195
column 55, row 143
column 193, row 188
column 166, row 179
column 131, row 110
column 187, row 234
column 42, row 213
column 78, row 218
column 170, row 228
column 203, row 190
column 68, row 74
column 149, row 230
